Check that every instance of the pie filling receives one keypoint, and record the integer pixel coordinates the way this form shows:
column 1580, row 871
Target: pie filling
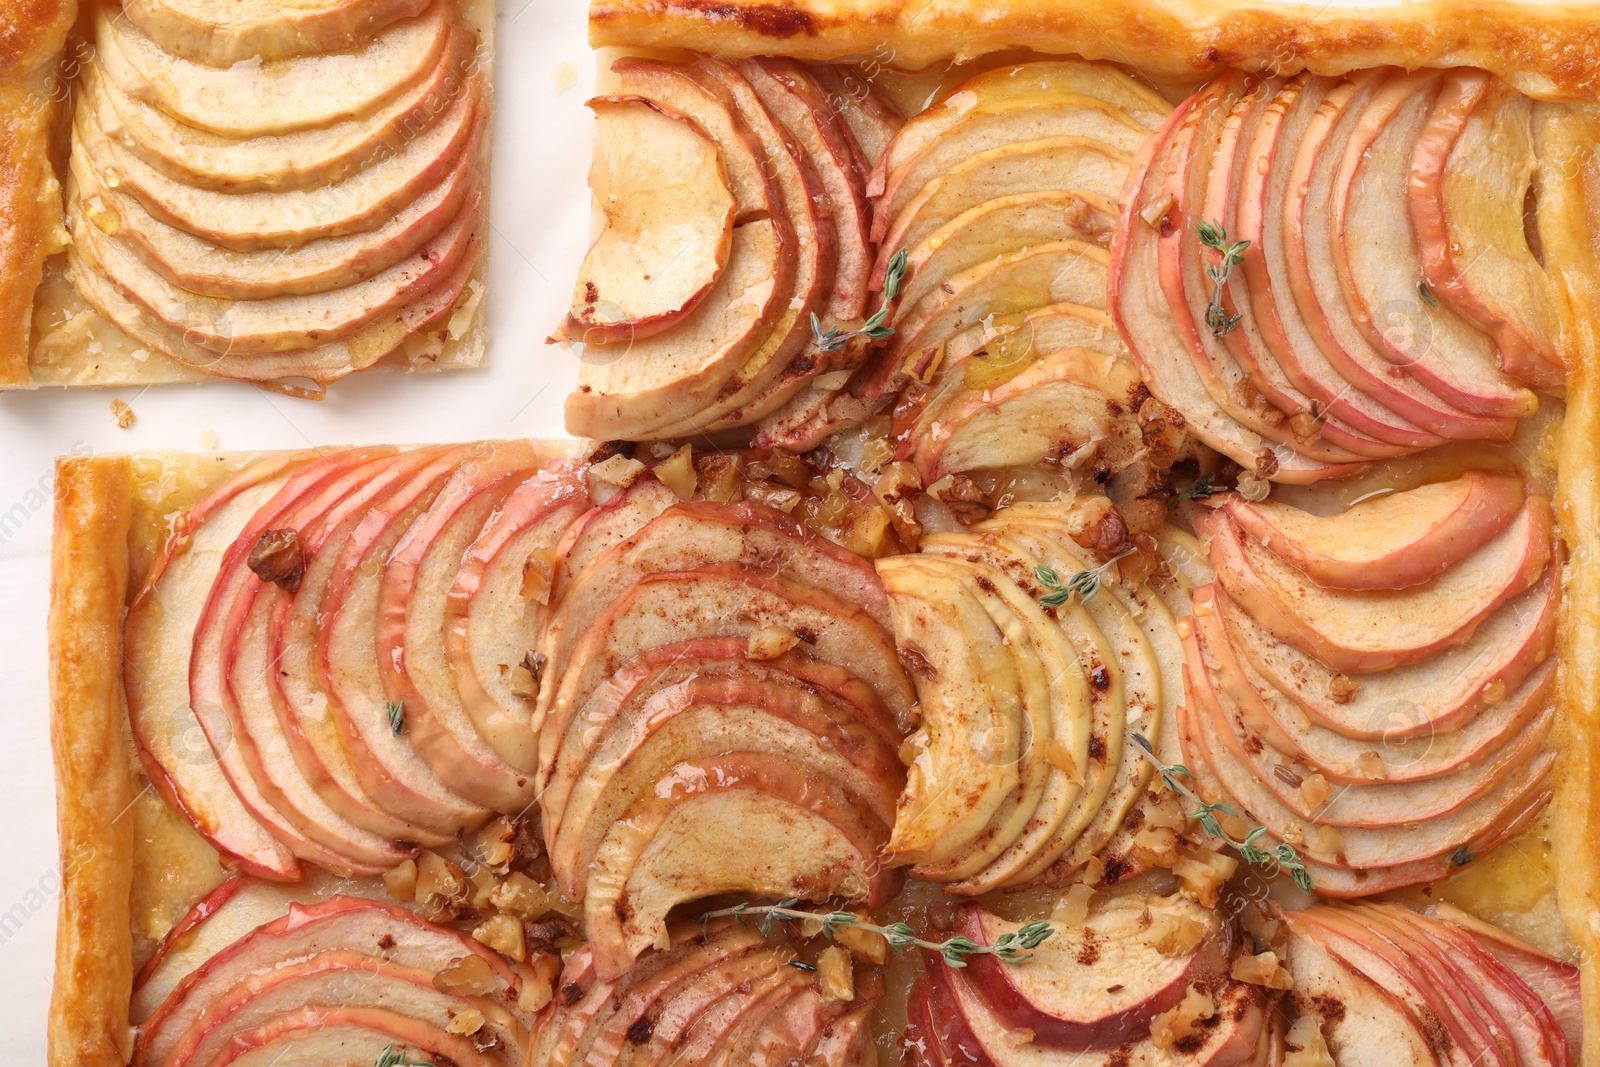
column 1117, row 624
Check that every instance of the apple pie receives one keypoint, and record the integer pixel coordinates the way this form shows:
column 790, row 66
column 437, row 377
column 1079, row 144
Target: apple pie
column 279, row 194
column 1088, row 564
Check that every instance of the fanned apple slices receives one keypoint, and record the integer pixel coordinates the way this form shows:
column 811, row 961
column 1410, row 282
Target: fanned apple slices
column 337, row 639
column 288, row 220
column 1023, row 770
column 1383, row 984
column 718, row 994
column 1375, row 687
column 335, row 981
column 723, row 717
column 1291, row 269
column 1143, row 979
column 699, row 315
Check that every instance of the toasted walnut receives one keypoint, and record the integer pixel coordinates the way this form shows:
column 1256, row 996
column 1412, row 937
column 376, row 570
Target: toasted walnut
column 774, row 496
column 523, row 680
column 538, row 570
column 965, row 499
column 401, row 881
column 1342, row 689
column 521, row 896
column 1315, row 791
column 770, row 642
column 1202, row 873
column 465, row 1021
column 1307, row 1047
column 1263, row 970
column 1183, row 1019
column 1156, row 846
column 438, row 879
column 836, row 975
column 469, row 976
column 1165, row 434
column 868, row 944
column 494, row 841
column 677, row 473
column 1174, row 935
column 539, row 981
column 1370, row 764
column 1073, row 908
column 279, row 558
column 896, row 482
column 721, row 477
column 548, row 933
column 619, row 471
column 503, row 933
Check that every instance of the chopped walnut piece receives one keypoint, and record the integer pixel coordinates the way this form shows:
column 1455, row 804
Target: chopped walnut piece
column 465, row 1021
column 868, row 944
column 677, row 473
column 494, row 841
column 521, row 896
column 1263, row 970
column 1183, row 1019
column 279, row 558
column 774, row 496
column 537, row 572
column 1202, row 873
column 1173, row 935
column 122, row 413
column 503, row 933
column 721, row 477
column 1155, row 846
column 469, row 976
column 618, row 470
column 438, row 879
column 836, row 975
column 1315, row 790
column 524, row 677
column 401, row 881
column 539, row 981
column 1342, row 689
column 965, row 499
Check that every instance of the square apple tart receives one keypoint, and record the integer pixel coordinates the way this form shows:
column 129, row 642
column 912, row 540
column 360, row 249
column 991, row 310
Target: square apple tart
column 280, row 194
column 1138, row 465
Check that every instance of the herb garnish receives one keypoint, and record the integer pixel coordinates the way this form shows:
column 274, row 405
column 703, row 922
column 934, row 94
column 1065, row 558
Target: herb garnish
column 1214, row 237
column 1201, row 489
column 877, row 328
column 393, row 1057
column 1462, row 856
column 397, row 716
column 1014, row 947
column 1281, row 855
column 1084, row 585
column 1425, row 291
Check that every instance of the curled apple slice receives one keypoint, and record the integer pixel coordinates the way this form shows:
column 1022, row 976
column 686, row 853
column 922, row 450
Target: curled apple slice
column 658, row 177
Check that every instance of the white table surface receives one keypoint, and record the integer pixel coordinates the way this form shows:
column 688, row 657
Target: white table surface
column 540, row 221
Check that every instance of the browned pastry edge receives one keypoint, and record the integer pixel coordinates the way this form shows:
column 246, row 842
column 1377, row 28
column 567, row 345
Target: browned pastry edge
column 1544, row 50
column 88, row 1023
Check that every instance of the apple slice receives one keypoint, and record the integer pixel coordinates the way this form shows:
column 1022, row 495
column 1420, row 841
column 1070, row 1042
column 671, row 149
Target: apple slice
column 871, row 121
column 1364, row 1023
column 632, row 389
column 1075, row 997
column 220, row 34
column 1026, row 633
column 249, row 99
column 1269, row 306
column 1055, row 163
column 706, row 716
column 1073, row 407
column 1392, row 757
column 710, row 989
column 493, row 620
column 787, row 1034
column 669, row 222
column 1445, row 352
column 1388, row 542
column 997, row 227
column 1439, row 695
column 413, row 605
column 160, row 628
column 1061, row 272
column 1310, row 237
column 317, row 1035
column 1554, row 982
column 610, row 523
column 1361, row 631
column 701, row 832
column 697, row 534
column 1474, row 162
column 719, row 1025
column 801, row 106
column 968, row 745
column 1144, row 316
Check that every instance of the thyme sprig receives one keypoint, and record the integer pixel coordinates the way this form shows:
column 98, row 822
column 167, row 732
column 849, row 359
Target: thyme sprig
column 1281, row 855
column 1014, row 947
column 1461, row 857
column 1214, row 237
column 1085, row 585
column 1200, row 489
column 393, row 1057
column 877, row 328
column 397, row 716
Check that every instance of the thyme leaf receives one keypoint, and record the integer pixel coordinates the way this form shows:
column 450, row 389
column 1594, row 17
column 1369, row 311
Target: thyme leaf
column 1462, row 856
column 1084, row 585
column 1201, row 489
column 1214, row 237
column 1425, row 291
column 397, row 716
column 1014, row 947
column 1269, row 855
column 876, row 328
column 393, row 1057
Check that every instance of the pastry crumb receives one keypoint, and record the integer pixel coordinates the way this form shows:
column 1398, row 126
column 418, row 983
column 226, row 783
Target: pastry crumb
column 566, row 76
column 209, row 439
column 123, row 414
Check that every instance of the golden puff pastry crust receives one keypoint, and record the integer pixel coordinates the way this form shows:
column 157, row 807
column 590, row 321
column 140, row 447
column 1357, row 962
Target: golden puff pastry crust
column 1544, row 50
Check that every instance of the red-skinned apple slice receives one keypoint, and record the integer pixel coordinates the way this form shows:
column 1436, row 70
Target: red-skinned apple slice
column 710, row 988
column 1009, row 170
column 871, row 121
column 1109, row 1001
column 612, row 522
column 705, row 716
column 743, row 1017
column 1364, row 1023
column 412, row 609
column 492, row 622
column 1362, row 631
column 1391, row 757
column 223, row 34
column 347, row 660
column 669, row 222
column 1187, row 164
column 1269, row 304
column 1439, row 695
column 1143, row 315
column 727, row 601
column 1318, row 294
column 1473, row 164
column 1446, row 353
column 785, row 1034
column 160, row 628
column 1554, row 982
column 1391, row 541
column 699, row 834
column 317, row 1035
